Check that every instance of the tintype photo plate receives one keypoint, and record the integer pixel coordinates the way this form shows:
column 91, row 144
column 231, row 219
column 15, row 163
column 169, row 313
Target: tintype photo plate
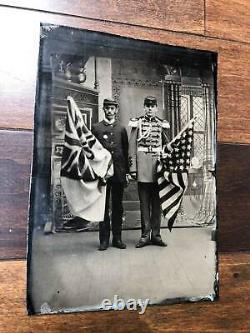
column 123, row 191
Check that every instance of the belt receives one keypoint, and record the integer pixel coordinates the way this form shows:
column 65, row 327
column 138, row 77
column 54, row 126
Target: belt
column 150, row 149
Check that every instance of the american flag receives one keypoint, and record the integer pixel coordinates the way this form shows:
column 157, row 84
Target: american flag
column 172, row 172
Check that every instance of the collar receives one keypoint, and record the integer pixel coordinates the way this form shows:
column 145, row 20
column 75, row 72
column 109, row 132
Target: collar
column 108, row 122
column 150, row 118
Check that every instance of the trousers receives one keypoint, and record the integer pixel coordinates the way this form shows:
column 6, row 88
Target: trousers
column 150, row 209
column 116, row 190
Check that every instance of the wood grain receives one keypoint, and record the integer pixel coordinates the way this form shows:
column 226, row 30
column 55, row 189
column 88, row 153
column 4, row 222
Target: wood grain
column 228, row 19
column 15, row 160
column 233, row 98
column 229, row 314
column 233, row 181
column 19, row 84
column 173, row 15
column 148, row 20
column 18, row 70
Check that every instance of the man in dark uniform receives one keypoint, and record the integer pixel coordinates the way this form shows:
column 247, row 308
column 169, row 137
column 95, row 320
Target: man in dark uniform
column 114, row 138
column 148, row 135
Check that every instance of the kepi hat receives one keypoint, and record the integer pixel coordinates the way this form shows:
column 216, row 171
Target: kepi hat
column 109, row 101
column 150, row 101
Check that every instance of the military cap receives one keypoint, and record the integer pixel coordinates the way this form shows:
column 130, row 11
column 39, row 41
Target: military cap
column 109, row 101
column 150, row 101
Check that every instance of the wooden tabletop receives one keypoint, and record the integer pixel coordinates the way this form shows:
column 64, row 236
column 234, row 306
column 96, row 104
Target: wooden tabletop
column 221, row 26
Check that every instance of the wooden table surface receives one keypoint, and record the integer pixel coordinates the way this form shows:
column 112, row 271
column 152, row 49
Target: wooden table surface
column 218, row 25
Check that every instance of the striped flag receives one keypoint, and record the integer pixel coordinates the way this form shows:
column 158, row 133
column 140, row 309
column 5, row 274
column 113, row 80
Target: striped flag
column 172, row 172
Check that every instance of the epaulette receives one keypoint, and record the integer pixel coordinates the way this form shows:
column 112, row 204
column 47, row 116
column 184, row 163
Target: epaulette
column 133, row 122
column 165, row 124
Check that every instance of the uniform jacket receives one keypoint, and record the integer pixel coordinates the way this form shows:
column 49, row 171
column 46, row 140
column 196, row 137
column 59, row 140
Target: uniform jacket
column 114, row 138
column 148, row 135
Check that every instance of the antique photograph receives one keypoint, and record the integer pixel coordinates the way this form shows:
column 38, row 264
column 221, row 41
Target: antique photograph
column 122, row 211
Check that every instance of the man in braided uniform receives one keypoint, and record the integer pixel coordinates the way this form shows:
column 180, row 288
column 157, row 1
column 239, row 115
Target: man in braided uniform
column 148, row 135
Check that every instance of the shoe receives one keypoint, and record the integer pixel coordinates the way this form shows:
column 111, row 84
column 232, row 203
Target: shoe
column 103, row 246
column 144, row 241
column 118, row 244
column 76, row 224
column 158, row 241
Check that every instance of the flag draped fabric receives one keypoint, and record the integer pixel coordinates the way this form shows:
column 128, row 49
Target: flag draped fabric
column 172, row 172
column 85, row 165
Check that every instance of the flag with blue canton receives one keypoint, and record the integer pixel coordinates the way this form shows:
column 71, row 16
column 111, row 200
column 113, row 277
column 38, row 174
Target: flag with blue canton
column 172, row 172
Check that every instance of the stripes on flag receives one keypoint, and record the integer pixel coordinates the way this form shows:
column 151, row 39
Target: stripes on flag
column 172, row 172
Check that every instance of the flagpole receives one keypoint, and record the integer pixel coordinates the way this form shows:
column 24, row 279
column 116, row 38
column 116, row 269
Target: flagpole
column 184, row 128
